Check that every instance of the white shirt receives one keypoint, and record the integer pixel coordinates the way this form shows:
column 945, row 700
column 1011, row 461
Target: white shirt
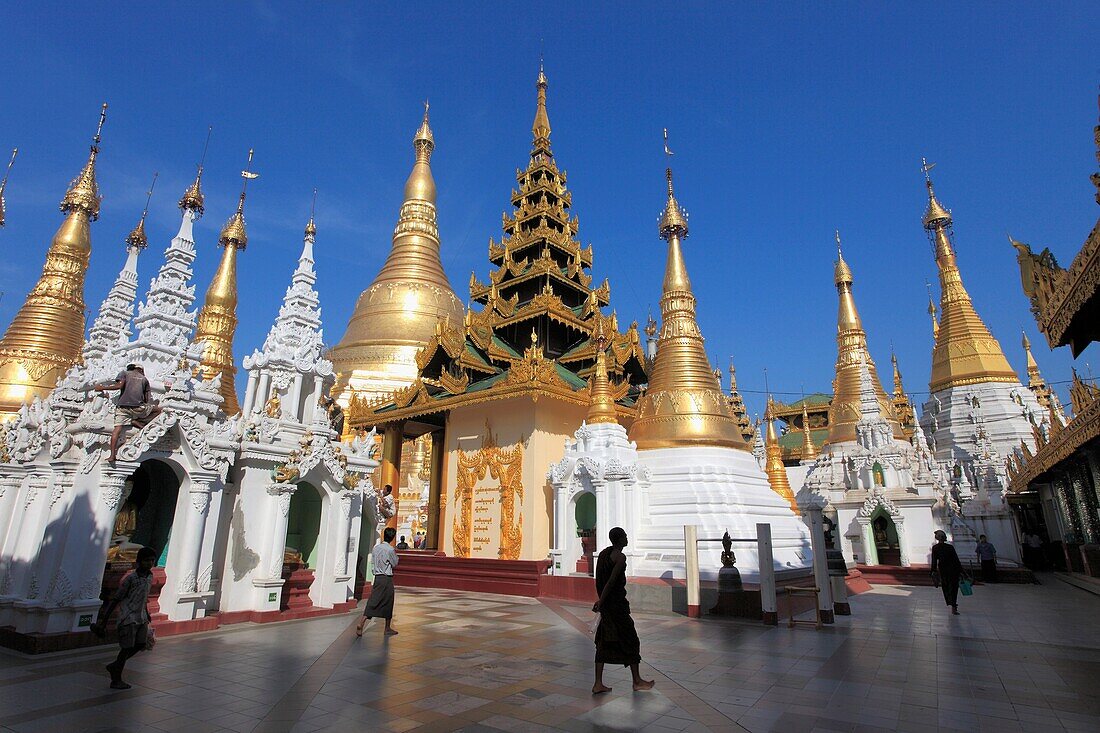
column 384, row 559
column 386, row 506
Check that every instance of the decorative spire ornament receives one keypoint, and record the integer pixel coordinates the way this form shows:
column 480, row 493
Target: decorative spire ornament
column 111, row 329
column 4, row 183
column 845, row 409
column 965, row 351
column 809, row 450
column 684, row 404
column 217, row 322
column 601, row 407
column 192, row 198
column 398, row 312
column 773, row 467
column 46, row 335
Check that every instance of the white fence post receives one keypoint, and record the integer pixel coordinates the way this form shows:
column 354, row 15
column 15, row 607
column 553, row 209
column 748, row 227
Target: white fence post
column 821, row 564
column 767, row 574
column 691, row 565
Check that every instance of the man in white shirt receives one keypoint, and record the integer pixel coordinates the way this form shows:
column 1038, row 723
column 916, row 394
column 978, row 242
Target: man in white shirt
column 384, row 559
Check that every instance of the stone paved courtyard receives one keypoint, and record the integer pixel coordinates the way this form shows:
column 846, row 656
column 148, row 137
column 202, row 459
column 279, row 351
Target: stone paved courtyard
column 1020, row 658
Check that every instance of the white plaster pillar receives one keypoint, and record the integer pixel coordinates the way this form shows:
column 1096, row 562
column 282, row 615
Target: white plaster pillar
column 263, row 392
column 294, row 399
column 10, row 484
column 113, row 492
column 54, row 535
column 343, row 531
column 249, row 394
column 903, row 539
column 28, row 536
column 194, row 529
column 867, row 534
column 282, row 494
column 557, row 552
column 603, row 512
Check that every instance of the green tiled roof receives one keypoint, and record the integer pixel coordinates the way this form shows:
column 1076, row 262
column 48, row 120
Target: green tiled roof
column 793, row 438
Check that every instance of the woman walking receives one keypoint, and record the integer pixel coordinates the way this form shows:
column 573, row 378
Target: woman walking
column 384, row 558
column 946, row 570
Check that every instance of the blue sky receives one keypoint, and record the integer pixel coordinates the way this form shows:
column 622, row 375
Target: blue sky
column 787, row 122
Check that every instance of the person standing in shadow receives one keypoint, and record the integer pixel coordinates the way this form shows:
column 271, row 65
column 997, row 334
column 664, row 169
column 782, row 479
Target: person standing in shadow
column 946, row 570
column 616, row 638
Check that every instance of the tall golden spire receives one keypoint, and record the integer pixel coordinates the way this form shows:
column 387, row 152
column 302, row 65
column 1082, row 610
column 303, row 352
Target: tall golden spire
column 397, row 314
column 217, row 322
column 4, row 183
column 773, row 466
column 540, row 128
column 965, row 350
column 932, row 311
column 684, row 404
column 45, row 337
column 809, row 450
column 601, row 408
column 845, row 410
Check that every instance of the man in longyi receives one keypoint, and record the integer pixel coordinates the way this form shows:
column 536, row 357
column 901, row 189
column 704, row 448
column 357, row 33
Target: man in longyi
column 616, row 639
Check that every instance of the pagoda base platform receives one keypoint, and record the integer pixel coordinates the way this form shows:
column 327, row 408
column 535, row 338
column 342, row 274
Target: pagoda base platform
column 483, row 575
column 46, row 643
column 921, row 575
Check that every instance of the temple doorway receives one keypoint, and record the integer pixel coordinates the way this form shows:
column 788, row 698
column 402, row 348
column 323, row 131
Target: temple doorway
column 885, row 532
column 300, row 553
column 585, row 515
column 145, row 518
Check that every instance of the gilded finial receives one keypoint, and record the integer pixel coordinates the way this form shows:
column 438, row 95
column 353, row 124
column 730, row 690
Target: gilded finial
column 540, row 128
column 842, row 274
column 423, row 141
column 936, row 215
column 192, row 198
column 4, row 183
column 601, row 407
column 233, row 233
column 83, row 193
column 673, row 221
column 809, row 450
column 311, row 228
column 136, row 239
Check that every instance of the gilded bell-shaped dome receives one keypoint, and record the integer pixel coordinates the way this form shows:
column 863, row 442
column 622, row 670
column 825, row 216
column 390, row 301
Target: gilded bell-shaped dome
column 398, row 313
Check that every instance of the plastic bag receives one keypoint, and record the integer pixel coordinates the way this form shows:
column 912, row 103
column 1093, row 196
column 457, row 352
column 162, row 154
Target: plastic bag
column 966, row 587
column 150, row 638
column 593, row 625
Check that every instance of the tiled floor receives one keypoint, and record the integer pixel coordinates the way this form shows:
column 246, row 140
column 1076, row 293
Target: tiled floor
column 1020, row 658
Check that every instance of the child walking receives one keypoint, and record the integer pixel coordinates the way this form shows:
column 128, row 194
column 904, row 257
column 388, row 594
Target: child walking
column 133, row 620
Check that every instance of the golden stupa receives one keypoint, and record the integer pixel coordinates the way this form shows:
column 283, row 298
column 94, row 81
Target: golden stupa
column 965, row 351
column 684, row 403
column 217, row 323
column 851, row 342
column 45, row 337
column 773, row 466
column 398, row 313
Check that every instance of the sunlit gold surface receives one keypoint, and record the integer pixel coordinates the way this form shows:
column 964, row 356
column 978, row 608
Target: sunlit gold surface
column 217, row 323
column 851, row 341
column 602, row 406
column 397, row 314
column 684, row 404
column 45, row 337
column 773, row 467
column 903, row 407
column 809, row 450
column 965, row 350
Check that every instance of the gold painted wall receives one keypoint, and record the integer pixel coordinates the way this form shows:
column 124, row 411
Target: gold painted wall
column 498, row 454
